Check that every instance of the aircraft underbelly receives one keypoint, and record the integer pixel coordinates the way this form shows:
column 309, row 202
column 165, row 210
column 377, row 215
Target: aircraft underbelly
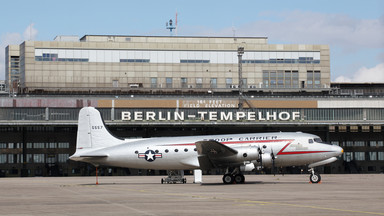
column 159, row 163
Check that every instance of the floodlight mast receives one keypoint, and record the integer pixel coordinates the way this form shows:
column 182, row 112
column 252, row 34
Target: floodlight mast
column 240, row 52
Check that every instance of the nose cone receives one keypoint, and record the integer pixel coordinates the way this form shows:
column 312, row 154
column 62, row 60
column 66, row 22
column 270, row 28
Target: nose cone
column 338, row 150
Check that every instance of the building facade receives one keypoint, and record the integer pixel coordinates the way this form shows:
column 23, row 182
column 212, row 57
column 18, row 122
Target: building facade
column 38, row 134
column 179, row 86
column 96, row 63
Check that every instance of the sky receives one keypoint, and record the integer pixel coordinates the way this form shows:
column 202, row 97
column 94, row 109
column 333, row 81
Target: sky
column 354, row 29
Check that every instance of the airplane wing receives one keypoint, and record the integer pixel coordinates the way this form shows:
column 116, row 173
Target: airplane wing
column 211, row 153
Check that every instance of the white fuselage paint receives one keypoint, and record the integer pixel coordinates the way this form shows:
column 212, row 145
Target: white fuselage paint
column 177, row 153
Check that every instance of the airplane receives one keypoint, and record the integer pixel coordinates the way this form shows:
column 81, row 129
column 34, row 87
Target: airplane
column 236, row 153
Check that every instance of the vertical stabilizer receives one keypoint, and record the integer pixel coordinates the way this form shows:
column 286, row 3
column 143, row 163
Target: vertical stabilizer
column 91, row 131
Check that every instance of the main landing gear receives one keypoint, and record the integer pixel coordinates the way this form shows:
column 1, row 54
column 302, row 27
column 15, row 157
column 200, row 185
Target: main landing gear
column 314, row 177
column 233, row 177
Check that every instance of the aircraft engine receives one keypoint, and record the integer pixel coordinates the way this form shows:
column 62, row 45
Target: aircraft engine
column 247, row 153
column 267, row 160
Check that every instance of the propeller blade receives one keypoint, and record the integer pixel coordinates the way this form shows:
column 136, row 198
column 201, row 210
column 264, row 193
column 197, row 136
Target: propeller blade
column 273, row 162
column 260, row 157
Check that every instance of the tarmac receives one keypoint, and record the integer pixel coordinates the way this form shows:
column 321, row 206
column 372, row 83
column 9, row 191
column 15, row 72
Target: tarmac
column 144, row 195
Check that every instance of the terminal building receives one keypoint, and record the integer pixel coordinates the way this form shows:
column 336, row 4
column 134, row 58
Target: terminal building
column 147, row 86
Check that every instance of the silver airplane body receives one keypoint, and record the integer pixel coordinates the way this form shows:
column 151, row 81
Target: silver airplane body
column 234, row 152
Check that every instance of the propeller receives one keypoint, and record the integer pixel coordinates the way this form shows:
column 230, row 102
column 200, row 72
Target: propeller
column 273, row 162
column 260, row 156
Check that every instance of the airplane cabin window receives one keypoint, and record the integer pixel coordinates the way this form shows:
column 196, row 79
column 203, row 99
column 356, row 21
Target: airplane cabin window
column 194, row 149
column 186, row 150
column 166, row 150
column 176, row 150
column 310, row 141
column 156, row 151
column 136, row 152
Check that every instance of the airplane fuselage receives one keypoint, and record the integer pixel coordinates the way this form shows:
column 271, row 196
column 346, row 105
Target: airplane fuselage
column 177, row 153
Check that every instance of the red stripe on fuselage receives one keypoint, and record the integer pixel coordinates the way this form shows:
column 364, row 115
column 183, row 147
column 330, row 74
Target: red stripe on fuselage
column 296, row 152
column 235, row 142
column 300, row 152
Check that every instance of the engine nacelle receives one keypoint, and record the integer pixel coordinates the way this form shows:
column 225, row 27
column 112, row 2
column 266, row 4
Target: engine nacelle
column 266, row 160
column 247, row 153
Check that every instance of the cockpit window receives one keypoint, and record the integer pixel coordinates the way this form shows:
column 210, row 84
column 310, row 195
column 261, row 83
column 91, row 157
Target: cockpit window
column 318, row 140
column 310, row 141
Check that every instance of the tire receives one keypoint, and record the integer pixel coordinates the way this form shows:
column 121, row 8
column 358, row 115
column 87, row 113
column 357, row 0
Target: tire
column 228, row 179
column 162, row 181
column 315, row 178
column 239, row 178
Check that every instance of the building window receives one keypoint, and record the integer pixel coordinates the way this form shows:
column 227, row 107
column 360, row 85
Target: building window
column 38, row 145
column 3, row 158
column 359, row 143
column 184, row 82
column 168, row 82
column 380, row 155
column 194, row 61
column 154, row 82
column 135, row 60
column 280, row 79
column 348, row 156
column 360, row 156
column 115, row 83
column 52, row 145
column 313, row 79
column 199, row 82
column 245, row 82
column 63, row 145
column 335, row 143
column 372, row 156
column 62, row 158
column 228, row 83
column 38, row 158
column 213, row 82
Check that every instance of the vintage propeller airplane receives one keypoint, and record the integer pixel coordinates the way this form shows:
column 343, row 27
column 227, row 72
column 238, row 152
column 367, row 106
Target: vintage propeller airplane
column 236, row 153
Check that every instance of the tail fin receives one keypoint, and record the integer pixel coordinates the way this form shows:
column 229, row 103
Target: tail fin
column 91, row 131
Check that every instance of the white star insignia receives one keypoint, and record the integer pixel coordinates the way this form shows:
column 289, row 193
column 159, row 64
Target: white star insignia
column 150, row 156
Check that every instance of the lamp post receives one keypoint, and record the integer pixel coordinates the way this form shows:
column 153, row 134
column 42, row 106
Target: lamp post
column 240, row 52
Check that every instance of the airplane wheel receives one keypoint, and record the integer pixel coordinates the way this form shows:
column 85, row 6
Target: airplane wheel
column 162, row 181
column 228, row 179
column 315, row 178
column 239, row 178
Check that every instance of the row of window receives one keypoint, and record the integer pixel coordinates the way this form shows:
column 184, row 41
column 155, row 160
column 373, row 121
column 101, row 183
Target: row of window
column 167, row 150
column 280, row 79
column 359, row 143
column 40, row 145
column 363, row 156
column 33, row 158
column 174, row 56
column 301, row 60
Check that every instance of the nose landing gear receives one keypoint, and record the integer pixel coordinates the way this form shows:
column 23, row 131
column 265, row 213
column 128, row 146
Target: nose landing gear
column 314, row 177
